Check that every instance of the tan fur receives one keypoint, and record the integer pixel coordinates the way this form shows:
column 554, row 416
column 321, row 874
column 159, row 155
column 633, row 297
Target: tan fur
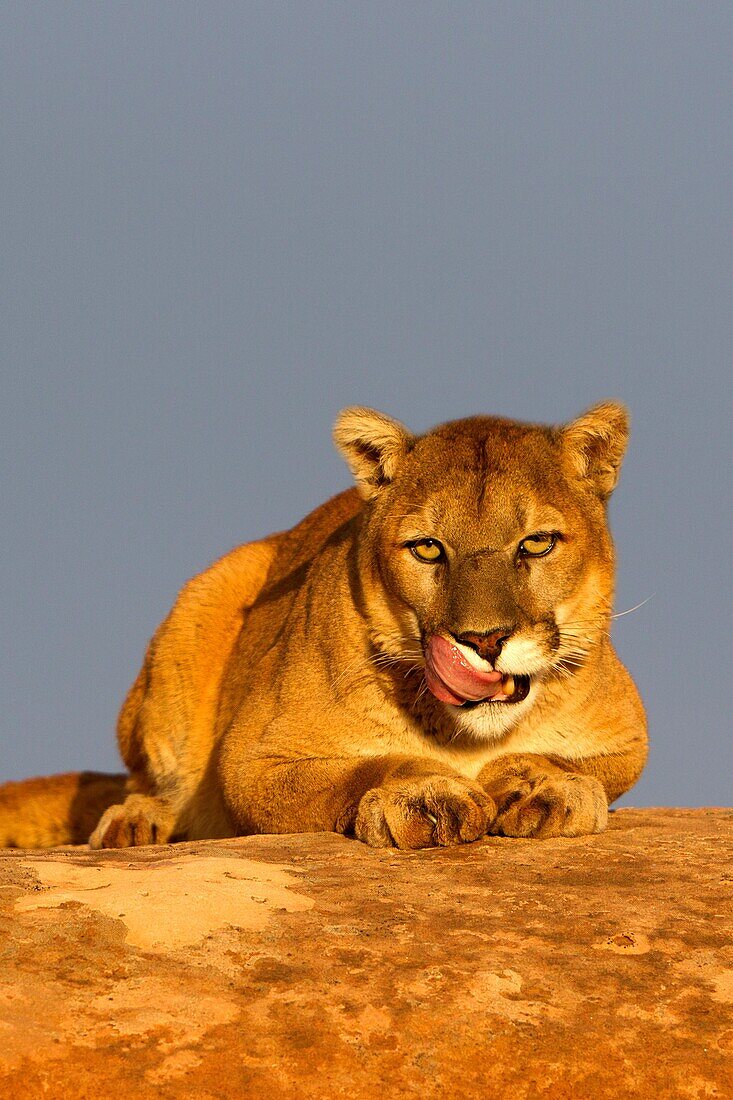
column 285, row 690
column 63, row 809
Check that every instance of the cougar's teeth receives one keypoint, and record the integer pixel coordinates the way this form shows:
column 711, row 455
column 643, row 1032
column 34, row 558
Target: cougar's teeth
column 507, row 685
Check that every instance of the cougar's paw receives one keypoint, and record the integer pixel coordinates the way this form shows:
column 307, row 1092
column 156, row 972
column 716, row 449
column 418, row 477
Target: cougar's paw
column 423, row 813
column 137, row 821
column 552, row 805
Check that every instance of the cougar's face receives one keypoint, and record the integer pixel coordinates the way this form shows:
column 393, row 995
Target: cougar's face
column 497, row 565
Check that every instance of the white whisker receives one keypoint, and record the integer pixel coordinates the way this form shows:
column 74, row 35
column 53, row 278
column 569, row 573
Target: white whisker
column 620, row 614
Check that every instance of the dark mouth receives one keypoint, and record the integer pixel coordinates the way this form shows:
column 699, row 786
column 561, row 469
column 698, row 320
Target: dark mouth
column 513, row 690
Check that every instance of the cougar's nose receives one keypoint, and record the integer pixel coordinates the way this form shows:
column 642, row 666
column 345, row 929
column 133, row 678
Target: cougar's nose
column 487, row 645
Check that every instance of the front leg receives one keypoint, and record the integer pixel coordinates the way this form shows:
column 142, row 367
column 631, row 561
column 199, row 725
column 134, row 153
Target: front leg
column 536, row 797
column 385, row 801
column 140, row 819
column 422, row 811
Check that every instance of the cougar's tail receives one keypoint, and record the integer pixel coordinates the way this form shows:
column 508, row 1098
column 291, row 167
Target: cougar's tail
column 60, row 809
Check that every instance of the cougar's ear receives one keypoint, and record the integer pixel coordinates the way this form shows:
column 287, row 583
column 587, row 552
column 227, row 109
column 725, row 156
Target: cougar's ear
column 373, row 445
column 595, row 444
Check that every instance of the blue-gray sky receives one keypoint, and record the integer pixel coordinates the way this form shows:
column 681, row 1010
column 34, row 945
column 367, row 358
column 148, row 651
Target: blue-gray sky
column 223, row 222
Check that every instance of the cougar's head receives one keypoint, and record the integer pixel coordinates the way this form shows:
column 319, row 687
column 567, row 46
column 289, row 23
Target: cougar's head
column 484, row 551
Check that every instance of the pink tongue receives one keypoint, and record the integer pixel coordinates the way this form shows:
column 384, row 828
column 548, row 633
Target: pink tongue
column 452, row 679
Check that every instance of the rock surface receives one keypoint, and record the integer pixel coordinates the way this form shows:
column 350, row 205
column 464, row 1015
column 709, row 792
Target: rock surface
column 312, row 966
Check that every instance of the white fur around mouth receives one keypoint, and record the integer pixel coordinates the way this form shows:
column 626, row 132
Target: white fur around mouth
column 523, row 656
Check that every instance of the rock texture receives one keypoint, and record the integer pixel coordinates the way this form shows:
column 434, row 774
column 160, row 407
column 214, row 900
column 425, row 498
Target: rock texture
column 312, row 966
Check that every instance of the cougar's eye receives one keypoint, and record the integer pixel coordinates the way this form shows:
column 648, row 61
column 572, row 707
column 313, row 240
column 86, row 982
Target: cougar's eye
column 429, row 550
column 536, row 546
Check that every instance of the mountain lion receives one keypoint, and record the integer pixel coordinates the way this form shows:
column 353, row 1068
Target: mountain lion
column 423, row 660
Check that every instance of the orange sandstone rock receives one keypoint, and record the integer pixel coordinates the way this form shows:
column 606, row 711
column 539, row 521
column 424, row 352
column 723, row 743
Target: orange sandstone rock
column 315, row 967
